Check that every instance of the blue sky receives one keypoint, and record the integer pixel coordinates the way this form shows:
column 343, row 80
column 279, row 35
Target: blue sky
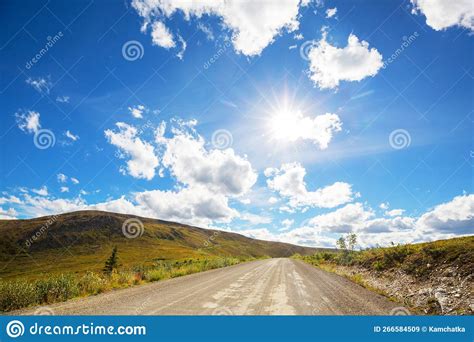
column 297, row 122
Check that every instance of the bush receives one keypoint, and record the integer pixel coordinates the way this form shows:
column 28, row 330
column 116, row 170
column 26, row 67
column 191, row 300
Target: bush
column 55, row 288
column 122, row 279
column 17, row 294
column 415, row 259
column 91, row 283
column 155, row 274
column 434, row 253
column 326, row 256
column 378, row 265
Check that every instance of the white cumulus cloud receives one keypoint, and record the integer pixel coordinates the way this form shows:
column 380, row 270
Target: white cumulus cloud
column 162, row 36
column 331, row 12
column 202, row 207
column 442, row 14
column 43, row 191
column 289, row 182
column 28, row 122
column 206, row 179
column 196, row 205
column 446, row 220
column 394, row 212
column 343, row 220
column 143, row 161
column 220, row 170
column 253, row 25
column 454, row 217
column 137, row 111
column 8, row 214
column 295, row 126
column 10, row 199
column 329, row 65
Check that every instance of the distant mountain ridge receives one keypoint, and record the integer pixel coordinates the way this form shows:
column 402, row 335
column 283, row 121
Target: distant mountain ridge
column 81, row 241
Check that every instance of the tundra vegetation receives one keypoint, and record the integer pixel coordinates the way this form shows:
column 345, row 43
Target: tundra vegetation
column 433, row 277
column 55, row 258
column 20, row 293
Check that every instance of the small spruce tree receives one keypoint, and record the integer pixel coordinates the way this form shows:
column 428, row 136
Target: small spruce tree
column 111, row 262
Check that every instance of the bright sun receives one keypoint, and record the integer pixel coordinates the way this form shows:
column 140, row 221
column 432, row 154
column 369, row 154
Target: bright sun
column 284, row 119
column 285, row 124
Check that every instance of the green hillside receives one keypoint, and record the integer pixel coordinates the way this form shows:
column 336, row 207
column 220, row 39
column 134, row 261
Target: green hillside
column 82, row 241
column 429, row 278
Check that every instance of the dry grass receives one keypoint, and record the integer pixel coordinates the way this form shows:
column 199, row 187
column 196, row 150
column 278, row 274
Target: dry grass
column 416, row 259
column 20, row 293
column 81, row 241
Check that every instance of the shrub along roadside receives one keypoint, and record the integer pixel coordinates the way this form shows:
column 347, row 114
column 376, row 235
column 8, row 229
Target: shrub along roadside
column 431, row 278
column 418, row 260
column 17, row 294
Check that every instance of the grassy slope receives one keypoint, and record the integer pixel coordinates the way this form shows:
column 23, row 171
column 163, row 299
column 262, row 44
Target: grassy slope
column 410, row 272
column 420, row 259
column 416, row 259
column 82, row 241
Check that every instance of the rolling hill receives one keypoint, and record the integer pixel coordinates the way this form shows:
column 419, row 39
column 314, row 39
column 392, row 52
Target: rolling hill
column 81, row 241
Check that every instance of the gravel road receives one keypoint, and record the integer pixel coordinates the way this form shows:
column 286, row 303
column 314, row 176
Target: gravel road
column 264, row 287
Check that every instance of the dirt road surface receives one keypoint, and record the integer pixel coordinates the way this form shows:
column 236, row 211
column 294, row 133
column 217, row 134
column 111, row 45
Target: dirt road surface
column 264, row 287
